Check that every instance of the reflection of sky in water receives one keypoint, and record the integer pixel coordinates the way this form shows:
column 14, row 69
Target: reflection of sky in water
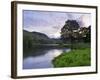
column 43, row 61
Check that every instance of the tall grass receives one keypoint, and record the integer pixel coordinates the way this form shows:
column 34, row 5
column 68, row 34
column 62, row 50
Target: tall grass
column 77, row 57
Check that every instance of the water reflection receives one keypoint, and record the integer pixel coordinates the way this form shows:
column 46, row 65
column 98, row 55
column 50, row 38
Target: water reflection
column 44, row 60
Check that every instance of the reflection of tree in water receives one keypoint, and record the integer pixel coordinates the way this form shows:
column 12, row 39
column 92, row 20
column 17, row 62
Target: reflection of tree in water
column 41, row 51
column 35, row 52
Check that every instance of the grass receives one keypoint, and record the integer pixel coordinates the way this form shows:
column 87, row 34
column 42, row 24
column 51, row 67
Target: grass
column 76, row 57
column 80, row 45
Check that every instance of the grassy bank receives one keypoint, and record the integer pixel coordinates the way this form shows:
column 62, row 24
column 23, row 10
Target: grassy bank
column 76, row 57
column 80, row 45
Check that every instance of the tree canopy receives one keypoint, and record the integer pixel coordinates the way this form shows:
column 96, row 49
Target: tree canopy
column 69, row 29
column 72, row 32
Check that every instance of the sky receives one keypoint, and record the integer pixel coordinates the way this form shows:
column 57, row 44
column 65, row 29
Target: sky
column 50, row 22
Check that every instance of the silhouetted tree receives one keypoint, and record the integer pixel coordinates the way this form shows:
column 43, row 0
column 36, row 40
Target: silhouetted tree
column 88, row 35
column 69, row 31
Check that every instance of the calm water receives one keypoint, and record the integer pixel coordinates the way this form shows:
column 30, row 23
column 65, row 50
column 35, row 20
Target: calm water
column 41, row 58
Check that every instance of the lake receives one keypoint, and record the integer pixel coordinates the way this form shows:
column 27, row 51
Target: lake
column 41, row 58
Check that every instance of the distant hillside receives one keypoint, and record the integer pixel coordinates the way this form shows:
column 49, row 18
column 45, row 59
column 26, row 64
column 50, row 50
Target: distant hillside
column 32, row 38
column 35, row 35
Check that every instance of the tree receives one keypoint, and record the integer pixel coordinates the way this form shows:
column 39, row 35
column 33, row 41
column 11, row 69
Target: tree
column 27, row 42
column 88, row 35
column 69, row 31
column 85, row 34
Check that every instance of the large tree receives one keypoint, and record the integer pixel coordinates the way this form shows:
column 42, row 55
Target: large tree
column 87, row 34
column 69, row 31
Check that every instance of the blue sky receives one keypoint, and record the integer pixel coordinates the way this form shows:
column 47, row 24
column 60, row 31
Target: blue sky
column 50, row 23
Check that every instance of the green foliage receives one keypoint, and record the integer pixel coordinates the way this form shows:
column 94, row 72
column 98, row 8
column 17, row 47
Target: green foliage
column 32, row 38
column 36, row 39
column 81, row 45
column 71, row 25
column 72, row 32
column 73, row 58
column 85, row 34
column 27, row 42
column 67, row 30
